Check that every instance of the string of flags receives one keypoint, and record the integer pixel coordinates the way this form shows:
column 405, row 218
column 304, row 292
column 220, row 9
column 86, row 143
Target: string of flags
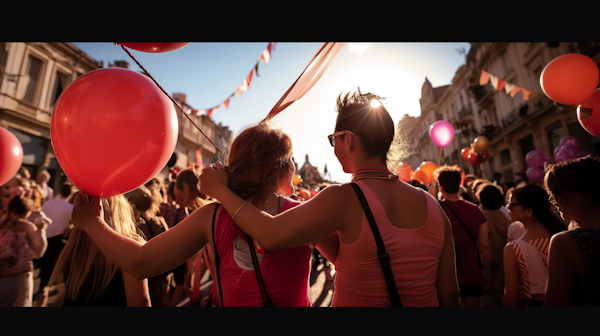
column 243, row 87
column 500, row 84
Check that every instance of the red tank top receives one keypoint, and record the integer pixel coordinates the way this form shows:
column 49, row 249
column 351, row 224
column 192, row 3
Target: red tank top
column 285, row 272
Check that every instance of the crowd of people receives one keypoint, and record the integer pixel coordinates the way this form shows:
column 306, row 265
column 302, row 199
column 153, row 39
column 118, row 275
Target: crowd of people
column 461, row 241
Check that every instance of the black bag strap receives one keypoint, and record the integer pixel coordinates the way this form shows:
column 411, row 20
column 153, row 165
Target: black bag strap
column 217, row 262
column 384, row 257
column 464, row 226
column 148, row 225
column 263, row 291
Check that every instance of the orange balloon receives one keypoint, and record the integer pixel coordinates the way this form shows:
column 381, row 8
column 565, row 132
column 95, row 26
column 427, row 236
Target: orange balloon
column 428, row 167
column 297, row 180
column 570, row 79
column 404, row 172
column 419, row 176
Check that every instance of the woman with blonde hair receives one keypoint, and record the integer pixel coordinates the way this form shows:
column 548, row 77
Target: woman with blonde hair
column 247, row 274
column 390, row 242
column 93, row 280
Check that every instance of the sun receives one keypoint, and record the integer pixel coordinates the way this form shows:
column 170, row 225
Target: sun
column 359, row 48
column 375, row 103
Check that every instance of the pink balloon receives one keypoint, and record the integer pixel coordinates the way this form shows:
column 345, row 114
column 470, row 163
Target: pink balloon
column 572, row 149
column 549, row 160
column 535, row 174
column 535, row 158
column 569, row 140
column 583, row 154
column 441, row 133
column 563, row 155
column 556, row 150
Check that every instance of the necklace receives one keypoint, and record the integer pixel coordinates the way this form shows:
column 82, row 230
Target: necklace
column 374, row 174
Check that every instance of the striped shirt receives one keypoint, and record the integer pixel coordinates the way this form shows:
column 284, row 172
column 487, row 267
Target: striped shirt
column 542, row 245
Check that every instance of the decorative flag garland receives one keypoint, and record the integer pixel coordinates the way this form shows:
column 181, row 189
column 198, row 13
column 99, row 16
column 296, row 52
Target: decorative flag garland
column 499, row 84
column 243, row 87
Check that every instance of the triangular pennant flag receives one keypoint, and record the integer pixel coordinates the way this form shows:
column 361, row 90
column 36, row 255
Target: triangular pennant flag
column 500, row 84
column 266, row 56
column 309, row 77
column 526, row 94
column 222, row 105
column 210, row 112
column 238, row 91
column 233, row 94
column 494, row 81
column 514, row 91
column 199, row 112
column 249, row 78
column 226, row 103
column 271, row 47
column 485, row 77
column 508, row 87
column 244, row 85
column 256, row 69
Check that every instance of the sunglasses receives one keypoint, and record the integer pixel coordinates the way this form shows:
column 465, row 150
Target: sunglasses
column 332, row 137
column 511, row 205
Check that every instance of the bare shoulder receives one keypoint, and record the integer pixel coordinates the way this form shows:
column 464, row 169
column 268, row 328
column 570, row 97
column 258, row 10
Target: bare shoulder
column 25, row 226
column 562, row 240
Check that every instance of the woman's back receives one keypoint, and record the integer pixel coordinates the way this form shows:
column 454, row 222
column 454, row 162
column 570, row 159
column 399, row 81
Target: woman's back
column 414, row 244
column 112, row 296
column 587, row 288
column 285, row 272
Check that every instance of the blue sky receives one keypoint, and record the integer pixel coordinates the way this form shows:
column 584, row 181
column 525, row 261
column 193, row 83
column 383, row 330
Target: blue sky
column 208, row 73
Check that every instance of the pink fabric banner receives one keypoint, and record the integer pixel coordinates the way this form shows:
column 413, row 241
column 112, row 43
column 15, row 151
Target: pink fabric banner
column 485, row 77
column 309, row 77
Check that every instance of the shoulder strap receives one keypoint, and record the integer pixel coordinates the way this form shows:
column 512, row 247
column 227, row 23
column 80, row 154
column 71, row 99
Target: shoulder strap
column 384, row 257
column 473, row 240
column 147, row 225
column 217, row 261
column 263, row 291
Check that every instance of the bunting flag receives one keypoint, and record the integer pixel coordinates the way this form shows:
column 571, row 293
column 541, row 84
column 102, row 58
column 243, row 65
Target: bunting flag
column 514, row 91
column 498, row 84
column 485, row 77
column 309, row 77
column 266, row 56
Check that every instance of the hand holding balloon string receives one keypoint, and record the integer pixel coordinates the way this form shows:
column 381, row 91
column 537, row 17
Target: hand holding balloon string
column 211, row 180
column 86, row 210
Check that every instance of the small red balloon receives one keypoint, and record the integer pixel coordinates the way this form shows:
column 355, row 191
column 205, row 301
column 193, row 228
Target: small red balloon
column 11, row 155
column 404, row 172
column 465, row 153
column 474, row 159
column 112, row 130
column 570, row 79
column 588, row 114
column 154, row 47
column 484, row 156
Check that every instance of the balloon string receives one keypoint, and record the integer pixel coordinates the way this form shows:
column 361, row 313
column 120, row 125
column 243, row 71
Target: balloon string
column 185, row 114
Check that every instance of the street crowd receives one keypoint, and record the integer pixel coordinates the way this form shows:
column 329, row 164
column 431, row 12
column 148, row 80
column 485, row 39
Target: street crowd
column 460, row 241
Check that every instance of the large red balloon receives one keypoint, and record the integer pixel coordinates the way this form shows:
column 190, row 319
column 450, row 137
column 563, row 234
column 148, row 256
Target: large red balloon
column 588, row 114
column 155, row 47
column 404, row 172
column 11, row 155
column 570, row 79
column 113, row 130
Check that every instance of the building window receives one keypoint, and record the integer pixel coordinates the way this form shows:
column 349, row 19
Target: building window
column 61, row 81
column 505, row 157
column 3, row 58
column 34, row 67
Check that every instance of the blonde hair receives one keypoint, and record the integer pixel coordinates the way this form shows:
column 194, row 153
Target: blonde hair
column 81, row 257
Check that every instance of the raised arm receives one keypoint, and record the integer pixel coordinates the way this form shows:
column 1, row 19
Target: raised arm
column 511, row 278
column 307, row 223
column 166, row 251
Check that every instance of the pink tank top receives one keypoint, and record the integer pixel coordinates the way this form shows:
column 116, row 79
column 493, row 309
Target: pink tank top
column 285, row 272
column 414, row 255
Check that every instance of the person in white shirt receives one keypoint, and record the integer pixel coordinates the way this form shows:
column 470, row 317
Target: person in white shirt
column 59, row 211
column 42, row 179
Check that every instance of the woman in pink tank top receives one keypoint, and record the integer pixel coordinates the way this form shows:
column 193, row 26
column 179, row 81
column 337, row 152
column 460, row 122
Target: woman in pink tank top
column 416, row 234
column 261, row 172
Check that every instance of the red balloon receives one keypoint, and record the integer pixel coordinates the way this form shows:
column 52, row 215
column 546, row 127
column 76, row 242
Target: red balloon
column 404, row 172
column 465, row 153
column 474, row 159
column 154, row 47
column 112, row 130
column 11, row 155
column 462, row 177
column 588, row 114
column 484, row 156
column 570, row 79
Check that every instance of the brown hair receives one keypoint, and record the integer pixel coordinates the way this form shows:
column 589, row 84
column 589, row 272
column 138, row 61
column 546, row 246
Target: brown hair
column 36, row 196
column 258, row 157
column 449, row 178
column 579, row 174
column 372, row 125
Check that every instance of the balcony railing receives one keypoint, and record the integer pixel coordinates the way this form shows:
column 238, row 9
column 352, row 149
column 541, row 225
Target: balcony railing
column 465, row 111
column 515, row 115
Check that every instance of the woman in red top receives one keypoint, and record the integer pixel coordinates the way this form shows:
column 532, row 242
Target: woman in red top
column 416, row 234
column 261, row 170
